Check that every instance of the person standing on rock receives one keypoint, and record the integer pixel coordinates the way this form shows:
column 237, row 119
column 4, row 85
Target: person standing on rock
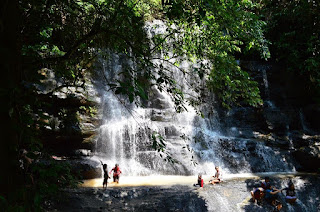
column 105, row 174
column 116, row 173
column 217, row 178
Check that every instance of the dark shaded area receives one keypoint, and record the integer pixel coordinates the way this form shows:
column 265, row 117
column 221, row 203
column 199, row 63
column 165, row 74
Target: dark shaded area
column 67, row 136
column 288, row 122
column 175, row 198
column 10, row 76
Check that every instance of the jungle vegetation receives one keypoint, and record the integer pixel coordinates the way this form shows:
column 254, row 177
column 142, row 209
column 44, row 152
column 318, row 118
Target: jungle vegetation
column 67, row 37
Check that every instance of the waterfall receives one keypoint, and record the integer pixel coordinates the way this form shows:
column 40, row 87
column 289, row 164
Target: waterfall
column 266, row 87
column 124, row 136
column 291, row 146
column 195, row 143
column 265, row 82
column 303, row 122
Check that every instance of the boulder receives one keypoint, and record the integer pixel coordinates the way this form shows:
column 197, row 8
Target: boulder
column 308, row 158
column 86, row 167
column 312, row 116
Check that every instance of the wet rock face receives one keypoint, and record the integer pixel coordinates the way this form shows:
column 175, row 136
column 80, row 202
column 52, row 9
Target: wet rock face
column 308, row 156
column 288, row 114
column 171, row 131
column 87, row 168
column 176, row 198
column 69, row 119
column 287, row 104
column 161, row 115
column 259, row 139
column 312, row 116
column 252, row 155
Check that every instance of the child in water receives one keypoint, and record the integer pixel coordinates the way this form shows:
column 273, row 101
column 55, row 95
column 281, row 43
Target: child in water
column 105, row 174
column 200, row 182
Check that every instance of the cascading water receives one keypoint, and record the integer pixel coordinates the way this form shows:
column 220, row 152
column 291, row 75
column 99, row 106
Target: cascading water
column 124, row 136
column 303, row 122
column 194, row 142
column 266, row 87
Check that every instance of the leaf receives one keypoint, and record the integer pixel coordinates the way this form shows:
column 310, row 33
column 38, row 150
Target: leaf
column 119, row 90
column 131, row 97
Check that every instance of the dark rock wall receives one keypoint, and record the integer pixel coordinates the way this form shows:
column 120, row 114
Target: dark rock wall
column 288, row 121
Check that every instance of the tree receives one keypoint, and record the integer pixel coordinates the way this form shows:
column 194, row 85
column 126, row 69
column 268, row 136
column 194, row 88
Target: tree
column 293, row 29
column 215, row 31
column 60, row 36
column 68, row 36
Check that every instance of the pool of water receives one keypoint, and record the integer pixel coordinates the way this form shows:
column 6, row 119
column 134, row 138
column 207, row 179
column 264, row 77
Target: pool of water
column 163, row 180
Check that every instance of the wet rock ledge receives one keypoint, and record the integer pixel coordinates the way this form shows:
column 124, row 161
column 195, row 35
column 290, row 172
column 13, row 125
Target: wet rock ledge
column 232, row 195
column 174, row 198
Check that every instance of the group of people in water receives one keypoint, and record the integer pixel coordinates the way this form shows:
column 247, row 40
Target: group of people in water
column 216, row 178
column 269, row 193
column 265, row 192
column 106, row 175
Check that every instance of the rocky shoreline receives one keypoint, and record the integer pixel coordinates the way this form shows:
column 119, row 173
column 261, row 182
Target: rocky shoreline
column 232, row 195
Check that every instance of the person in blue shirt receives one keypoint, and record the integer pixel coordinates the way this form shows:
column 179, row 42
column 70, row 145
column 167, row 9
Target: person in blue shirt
column 271, row 195
column 265, row 183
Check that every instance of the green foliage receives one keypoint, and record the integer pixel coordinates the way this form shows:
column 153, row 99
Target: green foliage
column 233, row 85
column 90, row 110
column 3, row 202
column 53, row 175
column 147, row 8
column 43, row 182
column 293, row 29
column 68, row 36
column 159, row 145
column 215, row 32
column 158, row 142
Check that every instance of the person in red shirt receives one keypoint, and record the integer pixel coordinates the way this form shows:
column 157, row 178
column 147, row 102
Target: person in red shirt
column 200, row 181
column 116, row 173
column 257, row 194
